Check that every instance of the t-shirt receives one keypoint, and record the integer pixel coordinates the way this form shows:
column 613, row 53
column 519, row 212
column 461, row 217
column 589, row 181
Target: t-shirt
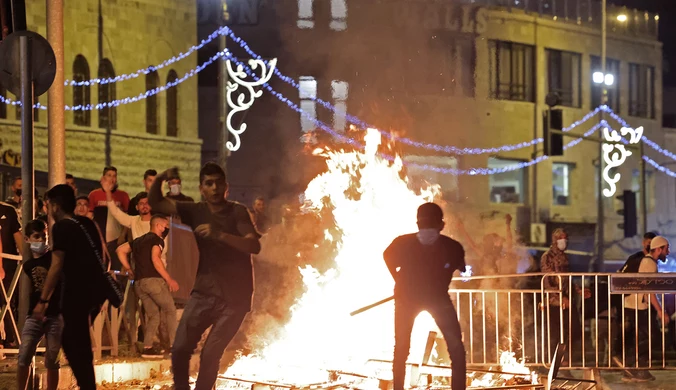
column 424, row 271
column 641, row 301
column 110, row 228
column 37, row 269
column 82, row 273
column 179, row 197
column 223, row 271
column 9, row 224
column 142, row 250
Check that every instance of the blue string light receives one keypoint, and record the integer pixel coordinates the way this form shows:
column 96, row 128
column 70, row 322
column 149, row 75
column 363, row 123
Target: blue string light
column 453, row 171
column 133, row 99
column 218, row 32
column 659, row 167
column 438, row 148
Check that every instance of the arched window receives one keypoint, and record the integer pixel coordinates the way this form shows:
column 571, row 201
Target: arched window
column 172, row 105
column 107, row 115
column 81, row 93
column 152, row 79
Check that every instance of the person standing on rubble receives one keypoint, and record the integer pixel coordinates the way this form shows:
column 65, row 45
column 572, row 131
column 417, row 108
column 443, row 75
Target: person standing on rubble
column 422, row 265
column 221, row 297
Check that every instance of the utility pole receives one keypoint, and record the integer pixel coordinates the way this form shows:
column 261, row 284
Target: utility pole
column 600, row 220
column 223, row 151
column 56, row 105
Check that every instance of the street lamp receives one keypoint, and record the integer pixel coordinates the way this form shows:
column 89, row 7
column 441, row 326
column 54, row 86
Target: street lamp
column 603, row 78
column 622, row 18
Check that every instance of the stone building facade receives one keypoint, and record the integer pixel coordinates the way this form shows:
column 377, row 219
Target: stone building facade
column 468, row 74
column 109, row 38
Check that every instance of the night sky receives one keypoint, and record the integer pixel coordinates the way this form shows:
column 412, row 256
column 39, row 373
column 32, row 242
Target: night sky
column 667, row 11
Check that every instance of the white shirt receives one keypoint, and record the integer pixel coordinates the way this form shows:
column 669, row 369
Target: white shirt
column 138, row 226
column 641, row 301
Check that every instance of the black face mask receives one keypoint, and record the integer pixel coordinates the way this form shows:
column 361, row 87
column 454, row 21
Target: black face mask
column 18, row 192
column 165, row 232
column 647, row 248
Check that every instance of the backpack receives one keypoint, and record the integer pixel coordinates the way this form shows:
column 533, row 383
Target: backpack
column 632, row 264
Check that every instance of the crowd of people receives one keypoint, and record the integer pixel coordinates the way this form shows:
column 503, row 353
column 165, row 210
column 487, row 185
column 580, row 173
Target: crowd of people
column 71, row 269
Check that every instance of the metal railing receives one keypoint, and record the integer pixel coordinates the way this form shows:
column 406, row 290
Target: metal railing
column 597, row 322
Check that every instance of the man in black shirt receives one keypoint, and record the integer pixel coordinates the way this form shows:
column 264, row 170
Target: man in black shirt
column 12, row 241
column 152, row 282
column 422, row 266
column 36, row 267
column 77, row 255
column 221, row 297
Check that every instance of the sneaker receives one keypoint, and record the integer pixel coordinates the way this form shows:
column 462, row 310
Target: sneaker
column 627, row 374
column 643, row 376
column 152, row 353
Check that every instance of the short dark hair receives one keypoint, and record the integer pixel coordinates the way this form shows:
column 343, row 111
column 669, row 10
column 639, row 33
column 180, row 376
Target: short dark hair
column 82, row 197
column 62, row 195
column 158, row 216
column 149, row 172
column 430, row 212
column 15, row 179
column 109, row 168
column 69, row 176
column 141, row 195
column 649, row 235
column 259, row 198
column 35, row 226
column 211, row 168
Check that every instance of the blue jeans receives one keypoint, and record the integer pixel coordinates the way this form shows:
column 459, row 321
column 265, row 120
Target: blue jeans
column 201, row 312
column 33, row 331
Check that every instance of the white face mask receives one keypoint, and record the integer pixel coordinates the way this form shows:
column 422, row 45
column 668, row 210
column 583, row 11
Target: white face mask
column 175, row 189
column 428, row 236
column 39, row 248
column 562, row 244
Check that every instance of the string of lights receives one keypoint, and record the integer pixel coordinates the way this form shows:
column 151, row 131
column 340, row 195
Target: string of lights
column 453, row 171
column 659, row 167
column 218, row 32
column 132, row 99
column 422, row 145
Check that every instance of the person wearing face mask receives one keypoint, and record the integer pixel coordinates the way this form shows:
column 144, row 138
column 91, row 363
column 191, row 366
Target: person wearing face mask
column 15, row 199
column 422, row 265
column 175, row 191
column 637, row 321
column 556, row 261
column 50, row 327
column 152, row 283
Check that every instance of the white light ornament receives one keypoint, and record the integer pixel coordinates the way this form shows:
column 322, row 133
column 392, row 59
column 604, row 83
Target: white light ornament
column 614, row 154
column 246, row 98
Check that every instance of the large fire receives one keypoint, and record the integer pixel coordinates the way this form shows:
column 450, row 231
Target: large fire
column 371, row 205
column 321, row 334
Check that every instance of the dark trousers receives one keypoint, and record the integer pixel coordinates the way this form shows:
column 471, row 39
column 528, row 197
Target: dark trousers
column 443, row 312
column 572, row 333
column 631, row 325
column 77, row 345
column 201, row 312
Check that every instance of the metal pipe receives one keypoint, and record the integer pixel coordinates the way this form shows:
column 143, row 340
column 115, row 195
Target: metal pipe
column 27, row 172
column 223, row 151
column 56, row 121
column 600, row 217
column 644, row 196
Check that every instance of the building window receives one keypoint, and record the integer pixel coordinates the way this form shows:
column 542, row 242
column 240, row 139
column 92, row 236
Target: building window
column 420, row 178
column 641, row 91
column 563, row 76
column 308, row 94
column 512, row 71
column 172, row 105
column 305, row 14
column 561, row 183
column 612, row 67
column 506, row 187
column 338, row 15
column 649, row 187
column 339, row 91
column 107, row 114
column 81, row 93
column 152, row 80
column 3, row 106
